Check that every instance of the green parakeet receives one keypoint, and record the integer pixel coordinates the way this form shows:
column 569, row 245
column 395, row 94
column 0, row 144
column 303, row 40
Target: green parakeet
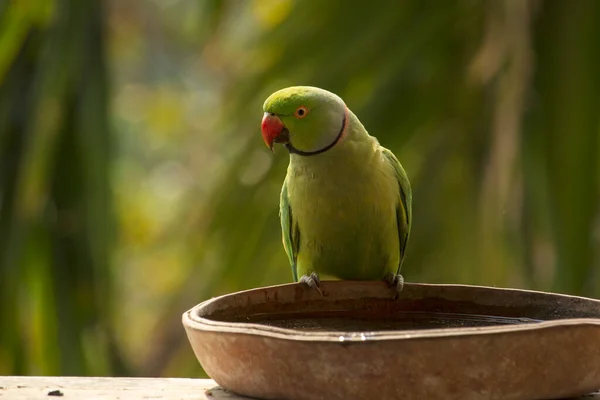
column 345, row 204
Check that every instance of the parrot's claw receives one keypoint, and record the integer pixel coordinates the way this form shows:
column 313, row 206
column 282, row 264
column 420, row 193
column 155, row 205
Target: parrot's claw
column 312, row 281
column 396, row 280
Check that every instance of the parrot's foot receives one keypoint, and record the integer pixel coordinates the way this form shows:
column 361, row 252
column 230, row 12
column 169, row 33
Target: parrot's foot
column 312, row 281
column 395, row 280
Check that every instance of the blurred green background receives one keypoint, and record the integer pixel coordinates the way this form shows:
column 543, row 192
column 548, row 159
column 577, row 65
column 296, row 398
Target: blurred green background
column 134, row 182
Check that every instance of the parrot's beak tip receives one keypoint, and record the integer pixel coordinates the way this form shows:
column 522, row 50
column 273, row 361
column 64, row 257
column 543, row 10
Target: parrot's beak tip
column 272, row 128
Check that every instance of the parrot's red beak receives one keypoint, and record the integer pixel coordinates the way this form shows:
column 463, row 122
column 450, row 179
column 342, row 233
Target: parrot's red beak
column 271, row 129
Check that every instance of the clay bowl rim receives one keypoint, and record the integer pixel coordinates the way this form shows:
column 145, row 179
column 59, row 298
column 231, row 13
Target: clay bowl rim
column 192, row 320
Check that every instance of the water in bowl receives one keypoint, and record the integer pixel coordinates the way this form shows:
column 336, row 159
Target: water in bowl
column 363, row 322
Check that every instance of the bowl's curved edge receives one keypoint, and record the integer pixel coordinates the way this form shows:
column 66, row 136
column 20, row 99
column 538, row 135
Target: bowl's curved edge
column 375, row 286
column 191, row 320
column 206, row 325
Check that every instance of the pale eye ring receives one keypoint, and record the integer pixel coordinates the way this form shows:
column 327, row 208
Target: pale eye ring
column 301, row 112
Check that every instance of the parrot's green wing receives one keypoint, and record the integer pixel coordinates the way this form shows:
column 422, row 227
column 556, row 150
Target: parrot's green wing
column 404, row 208
column 289, row 230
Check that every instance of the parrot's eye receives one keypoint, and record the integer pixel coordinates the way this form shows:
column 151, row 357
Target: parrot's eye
column 301, row 112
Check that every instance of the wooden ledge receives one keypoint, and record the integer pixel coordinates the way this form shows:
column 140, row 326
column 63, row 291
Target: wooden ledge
column 48, row 388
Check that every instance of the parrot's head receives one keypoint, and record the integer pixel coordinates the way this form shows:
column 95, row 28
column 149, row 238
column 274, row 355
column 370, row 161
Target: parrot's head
column 308, row 120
